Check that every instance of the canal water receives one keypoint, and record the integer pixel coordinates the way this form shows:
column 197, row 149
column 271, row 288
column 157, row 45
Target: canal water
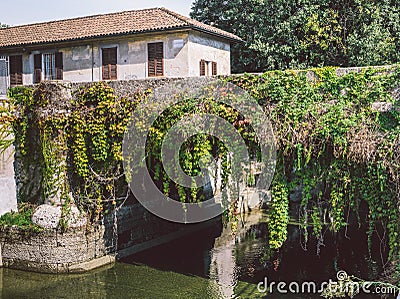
column 214, row 263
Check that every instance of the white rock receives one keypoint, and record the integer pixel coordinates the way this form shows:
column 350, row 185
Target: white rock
column 48, row 216
column 76, row 218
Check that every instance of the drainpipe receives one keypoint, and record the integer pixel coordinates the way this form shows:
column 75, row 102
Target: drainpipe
column 92, row 63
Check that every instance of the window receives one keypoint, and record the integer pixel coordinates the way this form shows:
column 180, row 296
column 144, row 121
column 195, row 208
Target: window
column 37, row 73
column 155, row 59
column 109, row 61
column 59, row 66
column 214, row 68
column 205, row 68
column 3, row 75
column 16, row 70
column 202, row 67
column 50, row 64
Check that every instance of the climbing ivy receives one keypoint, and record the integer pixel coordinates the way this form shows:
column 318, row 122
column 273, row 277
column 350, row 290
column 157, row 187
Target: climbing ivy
column 335, row 147
column 96, row 127
column 279, row 215
column 332, row 147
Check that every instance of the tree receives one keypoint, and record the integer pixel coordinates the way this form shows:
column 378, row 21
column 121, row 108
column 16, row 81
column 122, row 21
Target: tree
column 281, row 34
column 3, row 25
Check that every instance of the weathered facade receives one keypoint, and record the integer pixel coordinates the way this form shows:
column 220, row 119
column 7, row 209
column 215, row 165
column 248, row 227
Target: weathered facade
column 119, row 46
column 8, row 197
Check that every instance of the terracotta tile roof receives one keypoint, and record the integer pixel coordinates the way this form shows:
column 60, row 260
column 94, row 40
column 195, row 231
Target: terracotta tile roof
column 113, row 24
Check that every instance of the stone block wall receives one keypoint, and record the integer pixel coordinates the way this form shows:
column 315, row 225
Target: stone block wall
column 81, row 250
column 129, row 229
column 51, row 251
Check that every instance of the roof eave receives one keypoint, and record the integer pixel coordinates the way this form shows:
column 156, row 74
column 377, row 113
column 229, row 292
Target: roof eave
column 223, row 36
column 91, row 38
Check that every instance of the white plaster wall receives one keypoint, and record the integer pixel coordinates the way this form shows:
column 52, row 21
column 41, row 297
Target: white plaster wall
column 182, row 54
column 132, row 62
column 8, row 194
column 78, row 62
column 131, row 58
column 203, row 46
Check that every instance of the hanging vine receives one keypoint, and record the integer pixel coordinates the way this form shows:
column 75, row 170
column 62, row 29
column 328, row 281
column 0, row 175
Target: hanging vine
column 331, row 145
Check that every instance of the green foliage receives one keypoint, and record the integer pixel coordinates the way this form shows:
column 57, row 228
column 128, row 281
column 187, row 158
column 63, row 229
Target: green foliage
column 95, row 132
column 195, row 150
column 23, row 99
column 334, row 146
column 20, row 219
column 278, row 215
column 330, row 143
column 300, row 34
column 6, row 119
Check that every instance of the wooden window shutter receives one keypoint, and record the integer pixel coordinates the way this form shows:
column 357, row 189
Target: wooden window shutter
column 16, row 70
column 202, row 67
column 214, row 69
column 37, row 73
column 155, row 59
column 59, row 63
column 109, row 58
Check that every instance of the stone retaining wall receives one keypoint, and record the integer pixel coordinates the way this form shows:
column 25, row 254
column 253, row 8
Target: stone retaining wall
column 129, row 230
column 51, row 251
column 81, row 250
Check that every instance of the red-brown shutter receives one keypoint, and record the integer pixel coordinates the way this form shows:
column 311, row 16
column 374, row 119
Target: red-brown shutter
column 202, row 67
column 155, row 59
column 59, row 66
column 214, row 68
column 109, row 57
column 16, row 70
column 37, row 62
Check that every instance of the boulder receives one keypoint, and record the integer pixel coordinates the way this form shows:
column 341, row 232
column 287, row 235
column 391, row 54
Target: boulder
column 48, row 216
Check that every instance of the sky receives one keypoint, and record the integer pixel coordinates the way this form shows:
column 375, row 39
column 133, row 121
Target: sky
column 19, row 12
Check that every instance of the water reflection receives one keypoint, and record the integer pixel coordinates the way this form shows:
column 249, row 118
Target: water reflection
column 213, row 263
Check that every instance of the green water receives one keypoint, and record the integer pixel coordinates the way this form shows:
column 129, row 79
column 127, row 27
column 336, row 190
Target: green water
column 210, row 264
column 120, row 281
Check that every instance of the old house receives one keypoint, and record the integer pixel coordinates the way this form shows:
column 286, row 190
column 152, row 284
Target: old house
column 118, row 46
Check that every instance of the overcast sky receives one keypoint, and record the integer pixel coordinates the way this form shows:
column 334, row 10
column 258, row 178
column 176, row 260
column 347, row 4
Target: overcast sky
column 18, row 12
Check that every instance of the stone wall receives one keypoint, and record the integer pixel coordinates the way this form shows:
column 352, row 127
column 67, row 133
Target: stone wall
column 80, row 250
column 51, row 251
column 27, row 169
column 125, row 231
